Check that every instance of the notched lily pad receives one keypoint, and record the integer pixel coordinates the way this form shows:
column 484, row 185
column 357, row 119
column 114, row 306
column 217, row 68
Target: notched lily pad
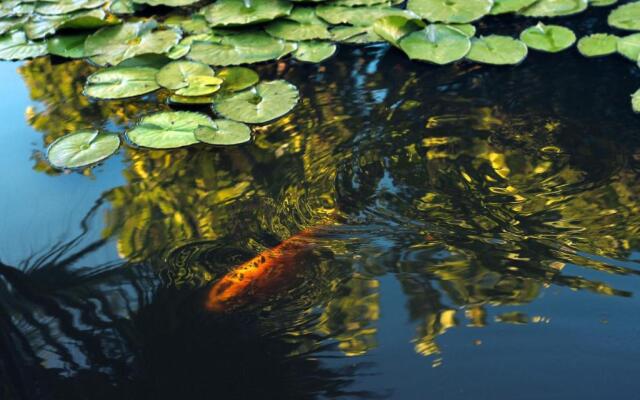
column 497, row 50
column 240, row 48
column 121, row 82
column 510, row 6
column 626, row 16
column 16, row 46
column 224, row 132
column 438, row 44
column 314, row 51
column 242, row 12
column 451, row 11
column 167, row 130
column 235, row 79
column 555, row 8
column 263, row 103
column 629, row 46
column 395, row 27
column 597, row 45
column 70, row 46
column 82, row 149
column 548, row 38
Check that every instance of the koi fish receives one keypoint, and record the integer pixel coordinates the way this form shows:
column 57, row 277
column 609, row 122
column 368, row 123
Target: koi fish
column 262, row 275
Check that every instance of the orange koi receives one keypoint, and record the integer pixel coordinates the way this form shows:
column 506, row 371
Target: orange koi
column 262, row 275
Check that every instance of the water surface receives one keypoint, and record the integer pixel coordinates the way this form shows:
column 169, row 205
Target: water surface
column 475, row 235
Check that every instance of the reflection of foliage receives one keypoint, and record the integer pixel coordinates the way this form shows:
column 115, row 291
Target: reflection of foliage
column 494, row 201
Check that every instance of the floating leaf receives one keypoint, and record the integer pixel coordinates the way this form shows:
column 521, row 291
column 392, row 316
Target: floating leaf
column 467, row 29
column 509, row 6
column 626, row 16
column 175, row 75
column 191, row 24
column 436, row 43
column 200, row 85
column 264, row 102
column 243, row 12
column 177, row 99
column 355, row 34
column 60, row 7
column 111, row 45
column 224, row 132
column 635, row 101
column 555, row 8
column 82, row 148
column 598, row 44
column 395, row 27
column 302, row 24
column 629, row 46
column 314, row 51
column 167, row 130
column 549, row 38
column 121, row 82
column 451, row 11
column 358, row 16
column 242, row 48
column 498, row 50
column 235, row 79
column 70, row 46
column 602, row 3
column 16, row 46
column 168, row 3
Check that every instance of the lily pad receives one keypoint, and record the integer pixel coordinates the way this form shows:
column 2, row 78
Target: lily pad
column 314, row 51
column 235, row 79
column 597, row 45
column 167, row 130
column 635, row 101
column 497, row 50
column 549, row 38
column 121, row 82
column 168, row 3
column 70, row 46
column 177, row 99
column 629, row 46
column 242, row 12
column 510, row 6
column 60, row 7
column 264, row 102
column 302, row 24
column 111, row 45
column 355, row 34
column 82, row 148
column 395, row 27
column 16, row 46
column 176, row 74
column 438, row 44
column 242, row 48
column 224, row 132
column 358, row 16
column 626, row 16
column 555, row 8
column 451, row 11
column 602, row 3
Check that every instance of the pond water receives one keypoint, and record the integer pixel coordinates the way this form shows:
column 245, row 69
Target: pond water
column 451, row 232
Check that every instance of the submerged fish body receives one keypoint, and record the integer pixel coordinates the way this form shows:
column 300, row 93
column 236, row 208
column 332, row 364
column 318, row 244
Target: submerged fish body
column 261, row 276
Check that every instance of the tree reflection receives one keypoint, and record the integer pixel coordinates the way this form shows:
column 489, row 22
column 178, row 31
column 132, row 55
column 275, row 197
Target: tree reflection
column 471, row 200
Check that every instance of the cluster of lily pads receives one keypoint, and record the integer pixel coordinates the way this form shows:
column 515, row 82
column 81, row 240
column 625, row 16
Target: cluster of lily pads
column 177, row 51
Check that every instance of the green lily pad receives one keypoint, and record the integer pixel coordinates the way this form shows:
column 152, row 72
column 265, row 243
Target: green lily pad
column 549, row 38
column 451, row 11
column 355, row 34
column 357, row 3
column 11, row 23
column 497, row 50
column 175, row 75
column 314, row 51
column 467, row 29
column 358, row 16
column 168, row 130
column 264, row 102
column 394, row 28
column 438, row 44
column 242, row 48
column 243, row 12
column 235, row 79
column 70, row 46
column 626, row 16
column 16, row 46
column 191, row 24
column 598, row 44
column 510, row 6
column 82, row 148
column 602, row 3
column 635, row 101
column 629, row 46
column 302, row 24
column 177, row 99
column 555, row 8
column 156, row 61
column 168, row 3
column 121, row 82
column 111, row 45
column 60, row 7
column 224, row 132
column 200, row 85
